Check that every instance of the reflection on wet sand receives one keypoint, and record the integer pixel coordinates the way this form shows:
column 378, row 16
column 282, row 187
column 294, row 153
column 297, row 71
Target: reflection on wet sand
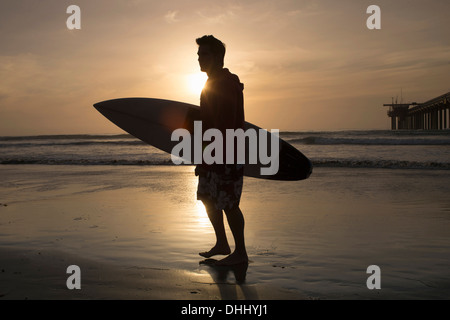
column 229, row 290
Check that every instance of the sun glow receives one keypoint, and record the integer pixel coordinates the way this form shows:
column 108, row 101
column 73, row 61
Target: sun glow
column 202, row 217
column 196, row 82
column 201, row 210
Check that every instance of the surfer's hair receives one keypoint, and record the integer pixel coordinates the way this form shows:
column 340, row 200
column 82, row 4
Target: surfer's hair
column 217, row 47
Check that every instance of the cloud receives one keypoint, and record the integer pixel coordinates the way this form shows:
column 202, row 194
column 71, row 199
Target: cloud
column 17, row 71
column 171, row 17
column 220, row 15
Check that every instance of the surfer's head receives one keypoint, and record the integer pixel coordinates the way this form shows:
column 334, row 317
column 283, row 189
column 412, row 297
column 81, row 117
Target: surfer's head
column 211, row 53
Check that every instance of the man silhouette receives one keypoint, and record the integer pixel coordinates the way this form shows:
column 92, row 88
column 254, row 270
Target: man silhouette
column 220, row 185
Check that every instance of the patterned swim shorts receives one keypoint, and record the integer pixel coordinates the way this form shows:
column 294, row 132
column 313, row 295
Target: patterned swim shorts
column 222, row 189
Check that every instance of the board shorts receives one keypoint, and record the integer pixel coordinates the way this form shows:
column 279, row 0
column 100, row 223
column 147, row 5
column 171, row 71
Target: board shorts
column 221, row 188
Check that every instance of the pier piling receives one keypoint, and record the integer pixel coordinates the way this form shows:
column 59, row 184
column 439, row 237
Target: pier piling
column 431, row 115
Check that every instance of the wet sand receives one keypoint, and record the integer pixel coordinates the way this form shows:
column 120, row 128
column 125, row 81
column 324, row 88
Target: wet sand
column 135, row 233
column 42, row 275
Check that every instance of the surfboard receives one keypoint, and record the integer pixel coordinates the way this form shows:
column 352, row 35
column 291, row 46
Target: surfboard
column 154, row 120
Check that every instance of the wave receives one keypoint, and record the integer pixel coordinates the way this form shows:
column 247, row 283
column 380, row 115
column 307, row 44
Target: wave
column 299, row 138
column 331, row 163
column 319, row 140
column 369, row 137
column 86, row 162
column 67, row 137
column 47, row 143
column 382, row 164
column 69, row 140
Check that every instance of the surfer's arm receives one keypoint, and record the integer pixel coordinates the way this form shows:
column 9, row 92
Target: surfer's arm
column 225, row 102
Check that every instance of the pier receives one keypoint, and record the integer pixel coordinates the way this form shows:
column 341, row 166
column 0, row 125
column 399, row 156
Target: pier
column 431, row 115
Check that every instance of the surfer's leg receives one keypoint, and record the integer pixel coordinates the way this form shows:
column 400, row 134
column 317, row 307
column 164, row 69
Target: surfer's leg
column 216, row 218
column 236, row 222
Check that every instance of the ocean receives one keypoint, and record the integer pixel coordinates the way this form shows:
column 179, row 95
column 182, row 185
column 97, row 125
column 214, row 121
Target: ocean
column 348, row 149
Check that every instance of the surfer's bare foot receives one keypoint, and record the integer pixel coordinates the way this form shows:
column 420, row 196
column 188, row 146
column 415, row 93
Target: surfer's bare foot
column 223, row 250
column 233, row 259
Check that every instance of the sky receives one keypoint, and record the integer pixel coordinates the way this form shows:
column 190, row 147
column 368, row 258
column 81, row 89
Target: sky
column 307, row 65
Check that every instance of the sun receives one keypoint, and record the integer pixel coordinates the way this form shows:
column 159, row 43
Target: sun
column 196, row 82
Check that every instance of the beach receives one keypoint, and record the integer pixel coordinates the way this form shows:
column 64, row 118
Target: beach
column 100, row 101
column 135, row 233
